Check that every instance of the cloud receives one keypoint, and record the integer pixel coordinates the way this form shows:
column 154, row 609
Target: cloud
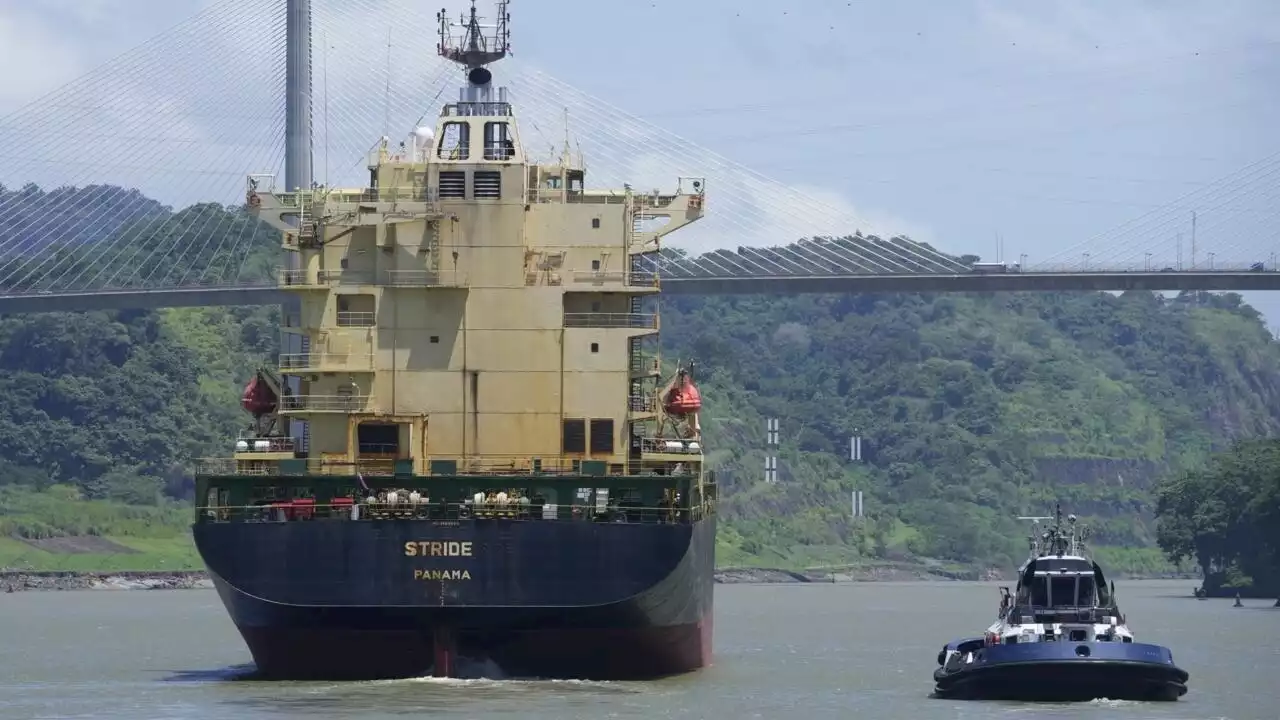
column 37, row 57
column 1083, row 34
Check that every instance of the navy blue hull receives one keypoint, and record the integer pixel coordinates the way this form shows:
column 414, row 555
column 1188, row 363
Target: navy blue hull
column 1062, row 672
column 359, row 600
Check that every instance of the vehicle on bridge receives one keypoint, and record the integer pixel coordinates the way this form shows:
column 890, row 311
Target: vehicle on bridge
column 995, row 267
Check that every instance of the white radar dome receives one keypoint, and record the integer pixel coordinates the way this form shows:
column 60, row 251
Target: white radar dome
column 424, row 133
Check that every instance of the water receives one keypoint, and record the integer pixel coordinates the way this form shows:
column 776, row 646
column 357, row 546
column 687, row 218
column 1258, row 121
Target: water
column 859, row 650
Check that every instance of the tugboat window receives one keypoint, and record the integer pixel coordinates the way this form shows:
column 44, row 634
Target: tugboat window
column 1084, row 593
column 1062, row 591
column 1040, row 592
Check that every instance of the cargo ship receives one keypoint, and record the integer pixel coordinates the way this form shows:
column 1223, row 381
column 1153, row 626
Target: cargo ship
column 478, row 452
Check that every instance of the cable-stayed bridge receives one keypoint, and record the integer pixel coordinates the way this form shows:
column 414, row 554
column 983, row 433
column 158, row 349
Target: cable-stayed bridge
column 125, row 188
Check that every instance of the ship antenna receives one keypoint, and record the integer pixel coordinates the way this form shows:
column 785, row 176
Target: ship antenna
column 565, row 158
column 386, row 124
column 324, row 59
column 472, row 48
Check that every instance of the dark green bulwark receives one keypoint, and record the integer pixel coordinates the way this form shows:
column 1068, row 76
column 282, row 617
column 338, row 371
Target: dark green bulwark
column 584, row 496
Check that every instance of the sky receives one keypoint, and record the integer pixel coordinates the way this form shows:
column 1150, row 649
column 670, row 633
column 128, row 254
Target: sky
column 1048, row 125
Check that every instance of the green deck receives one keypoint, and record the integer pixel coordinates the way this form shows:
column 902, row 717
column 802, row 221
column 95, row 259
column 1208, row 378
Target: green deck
column 230, row 497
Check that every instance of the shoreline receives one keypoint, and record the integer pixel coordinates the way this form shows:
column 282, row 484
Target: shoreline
column 12, row 581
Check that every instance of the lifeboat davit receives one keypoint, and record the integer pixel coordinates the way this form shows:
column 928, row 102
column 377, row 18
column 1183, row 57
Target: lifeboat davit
column 259, row 399
column 684, row 398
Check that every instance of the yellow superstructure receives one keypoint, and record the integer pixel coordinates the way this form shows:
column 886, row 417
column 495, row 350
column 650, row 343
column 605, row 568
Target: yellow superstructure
column 473, row 307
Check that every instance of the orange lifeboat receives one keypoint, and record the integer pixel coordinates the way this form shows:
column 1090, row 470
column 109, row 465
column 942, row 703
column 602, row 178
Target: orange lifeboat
column 259, row 399
column 684, row 398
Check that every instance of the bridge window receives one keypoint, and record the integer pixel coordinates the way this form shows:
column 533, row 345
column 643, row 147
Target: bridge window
column 455, row 141
column 574, row 438
column 498, row 144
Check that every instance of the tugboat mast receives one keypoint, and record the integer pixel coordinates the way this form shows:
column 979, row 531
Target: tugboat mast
column 1058, row 539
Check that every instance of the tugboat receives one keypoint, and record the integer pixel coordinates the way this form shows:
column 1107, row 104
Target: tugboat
column 477, row 454
column 1059, row 638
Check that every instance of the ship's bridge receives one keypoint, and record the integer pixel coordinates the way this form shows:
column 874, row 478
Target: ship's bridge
column 480, row 128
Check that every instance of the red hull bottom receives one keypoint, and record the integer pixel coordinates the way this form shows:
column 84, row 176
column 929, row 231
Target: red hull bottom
column 607, row 654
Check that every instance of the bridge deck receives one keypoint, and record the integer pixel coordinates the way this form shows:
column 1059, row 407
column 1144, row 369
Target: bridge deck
column 745, row 285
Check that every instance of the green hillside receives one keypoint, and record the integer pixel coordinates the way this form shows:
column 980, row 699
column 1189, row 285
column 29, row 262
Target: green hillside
column 973, row 409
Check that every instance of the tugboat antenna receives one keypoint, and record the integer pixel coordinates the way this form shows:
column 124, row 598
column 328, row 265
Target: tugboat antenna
column 1034, row 538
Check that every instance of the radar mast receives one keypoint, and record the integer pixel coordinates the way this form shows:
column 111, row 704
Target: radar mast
column 466, row 42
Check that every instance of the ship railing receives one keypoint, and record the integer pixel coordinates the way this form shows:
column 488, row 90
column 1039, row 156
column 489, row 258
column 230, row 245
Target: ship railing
column 356, row 319
column 257, row 443
column 631, row 321
column 602, row 277
column 295, row 277
column 423, row 278
column 347, row 277
column 670, row 446
column 265, row 183
column 232, row 466
column 651, row 201
column 644, row 364
column 355, row 509
column 324, row 403
column 410, row 193
column 642, row 403
column 321, row 360
column 596, row 198
column 476, row 108
column 484, row 466
column 599, row 277
column 324, row 278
